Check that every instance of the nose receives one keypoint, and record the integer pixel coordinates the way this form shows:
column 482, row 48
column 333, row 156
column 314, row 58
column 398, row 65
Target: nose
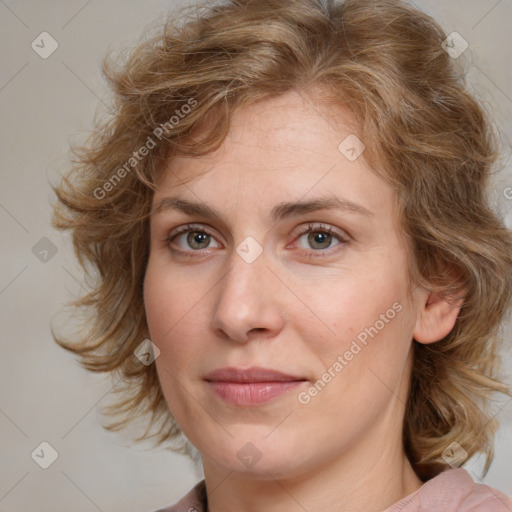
column 248, row 301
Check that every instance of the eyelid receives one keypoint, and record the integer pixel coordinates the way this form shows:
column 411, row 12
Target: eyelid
column 329, row 252
column 187, row 228
column 322, row 227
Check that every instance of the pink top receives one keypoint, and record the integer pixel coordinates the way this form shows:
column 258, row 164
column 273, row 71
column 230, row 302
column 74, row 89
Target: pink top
column 452, row 490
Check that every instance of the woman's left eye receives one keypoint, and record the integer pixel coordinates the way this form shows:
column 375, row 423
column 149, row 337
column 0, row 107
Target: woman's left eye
column 318, row 237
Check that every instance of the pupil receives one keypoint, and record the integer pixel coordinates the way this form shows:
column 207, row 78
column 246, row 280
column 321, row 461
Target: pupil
column 319, row 237
column 197, row 238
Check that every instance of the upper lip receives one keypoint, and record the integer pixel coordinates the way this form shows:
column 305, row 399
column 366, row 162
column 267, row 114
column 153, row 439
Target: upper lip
column 253, row 374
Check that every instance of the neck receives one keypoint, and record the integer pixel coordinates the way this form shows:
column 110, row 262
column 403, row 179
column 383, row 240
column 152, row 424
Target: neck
column 370, row 480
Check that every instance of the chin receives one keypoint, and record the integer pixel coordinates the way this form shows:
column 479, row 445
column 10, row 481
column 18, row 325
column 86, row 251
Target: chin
column 260, row 459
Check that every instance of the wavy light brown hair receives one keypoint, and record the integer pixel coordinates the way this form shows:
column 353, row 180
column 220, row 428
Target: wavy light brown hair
column 429, row 138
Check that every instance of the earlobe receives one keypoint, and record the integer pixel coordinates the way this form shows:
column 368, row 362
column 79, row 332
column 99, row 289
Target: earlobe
column 436, row 319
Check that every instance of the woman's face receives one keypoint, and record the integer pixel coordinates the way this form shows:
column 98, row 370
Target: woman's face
column 247, row 288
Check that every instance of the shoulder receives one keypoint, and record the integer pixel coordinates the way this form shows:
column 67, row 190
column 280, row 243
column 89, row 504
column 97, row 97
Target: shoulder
column 193, row 501
column 454, row 490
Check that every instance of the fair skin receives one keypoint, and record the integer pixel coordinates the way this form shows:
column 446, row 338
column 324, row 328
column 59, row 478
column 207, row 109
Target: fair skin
column 341, row 451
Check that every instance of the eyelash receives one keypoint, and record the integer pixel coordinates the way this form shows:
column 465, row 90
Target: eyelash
column 318, row 253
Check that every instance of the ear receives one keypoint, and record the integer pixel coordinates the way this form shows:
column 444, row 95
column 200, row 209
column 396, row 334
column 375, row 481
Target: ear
column 436, row 318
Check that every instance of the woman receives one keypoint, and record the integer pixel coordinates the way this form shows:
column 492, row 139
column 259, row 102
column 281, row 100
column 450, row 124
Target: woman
column 297, row 266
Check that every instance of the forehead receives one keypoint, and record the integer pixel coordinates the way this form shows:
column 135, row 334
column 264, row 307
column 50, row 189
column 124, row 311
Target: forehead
column 289, row 146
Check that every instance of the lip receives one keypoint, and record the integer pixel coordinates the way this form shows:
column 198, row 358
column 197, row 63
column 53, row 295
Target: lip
column 251, row 386
column 253, row 374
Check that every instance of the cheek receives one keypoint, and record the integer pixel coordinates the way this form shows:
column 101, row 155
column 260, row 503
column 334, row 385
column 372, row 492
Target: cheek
column 163, row 311
column 170, row 330
column 366, row 320
column 174, row 308
column 158, row 306
column 356, row 302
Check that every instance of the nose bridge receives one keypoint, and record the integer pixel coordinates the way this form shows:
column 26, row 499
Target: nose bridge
column 247, row 298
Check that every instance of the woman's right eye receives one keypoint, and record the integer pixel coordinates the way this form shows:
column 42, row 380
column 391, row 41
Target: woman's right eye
column 190, row 237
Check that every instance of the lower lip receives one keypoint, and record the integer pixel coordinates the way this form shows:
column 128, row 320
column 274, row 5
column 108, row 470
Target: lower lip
column 252, row 393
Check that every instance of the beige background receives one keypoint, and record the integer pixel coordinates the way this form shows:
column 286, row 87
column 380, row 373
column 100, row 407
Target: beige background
column 44, row 395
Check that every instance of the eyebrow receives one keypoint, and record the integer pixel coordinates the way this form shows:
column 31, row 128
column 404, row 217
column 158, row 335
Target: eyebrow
column 279, row 212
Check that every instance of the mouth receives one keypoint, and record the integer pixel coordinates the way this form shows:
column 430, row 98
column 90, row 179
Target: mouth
column 251, row 386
